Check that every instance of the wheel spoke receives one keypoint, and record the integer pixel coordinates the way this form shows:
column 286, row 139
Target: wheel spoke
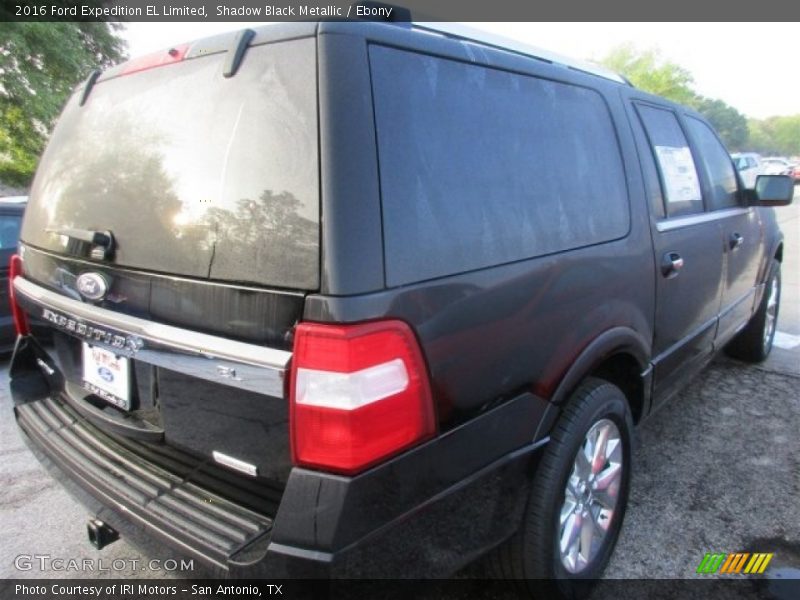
column 606, row 499
column 600, row 448
column 582, row 466
column 572, row 529
column 614, row 450
column 567, row 509
column 587, row 536
column 607, row 478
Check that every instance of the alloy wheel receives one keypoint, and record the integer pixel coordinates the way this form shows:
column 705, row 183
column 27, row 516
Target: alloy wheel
column 590, row 496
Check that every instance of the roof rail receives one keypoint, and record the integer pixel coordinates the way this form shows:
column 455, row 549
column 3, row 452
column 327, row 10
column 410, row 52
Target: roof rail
column 471, row 34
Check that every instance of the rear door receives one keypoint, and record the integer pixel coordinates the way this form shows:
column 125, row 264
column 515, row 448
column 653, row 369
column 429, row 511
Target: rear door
column 178, row 332
column 687, row 247
column 741, row 228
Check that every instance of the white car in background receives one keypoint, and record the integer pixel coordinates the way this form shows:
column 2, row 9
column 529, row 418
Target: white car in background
column 749, row 166
column 776, row 165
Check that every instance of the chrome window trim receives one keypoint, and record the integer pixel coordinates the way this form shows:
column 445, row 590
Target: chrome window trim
column 238, row 364
column 696, row 219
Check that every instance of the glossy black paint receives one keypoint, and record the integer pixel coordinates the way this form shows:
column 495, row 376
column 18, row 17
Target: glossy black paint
column 327, row 525
column 504, row 345
column 238, row 312
column 491, row 333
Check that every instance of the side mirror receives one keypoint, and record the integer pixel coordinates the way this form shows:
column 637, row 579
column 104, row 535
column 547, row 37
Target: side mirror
column 773, row 190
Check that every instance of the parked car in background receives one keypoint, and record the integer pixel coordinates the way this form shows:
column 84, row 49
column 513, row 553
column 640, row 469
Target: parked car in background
column 776, row 165
column 11, row 210
column 749, row 166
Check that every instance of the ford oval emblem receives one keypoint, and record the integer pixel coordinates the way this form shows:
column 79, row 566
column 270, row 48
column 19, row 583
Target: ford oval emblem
column 92, row 286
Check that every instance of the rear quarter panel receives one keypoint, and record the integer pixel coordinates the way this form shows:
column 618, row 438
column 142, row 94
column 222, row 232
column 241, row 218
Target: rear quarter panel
column 491, row 333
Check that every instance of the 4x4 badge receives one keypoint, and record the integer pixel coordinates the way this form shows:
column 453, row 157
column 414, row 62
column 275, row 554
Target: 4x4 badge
column 92, row 286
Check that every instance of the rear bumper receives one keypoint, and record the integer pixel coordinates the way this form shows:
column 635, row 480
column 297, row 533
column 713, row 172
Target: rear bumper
column 425, row 513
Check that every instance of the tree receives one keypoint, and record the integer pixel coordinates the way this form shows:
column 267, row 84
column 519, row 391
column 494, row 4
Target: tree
column 729, row 122
column 776, row 135
column 649, row 72
column 40, row 64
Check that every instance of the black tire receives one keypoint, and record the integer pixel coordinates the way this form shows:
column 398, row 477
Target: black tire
column 532, row 557
column 754, row 342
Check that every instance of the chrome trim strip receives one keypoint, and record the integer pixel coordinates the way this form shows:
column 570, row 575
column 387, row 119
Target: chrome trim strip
column 235, row 463
column 238, row 364
column 689, row 220
column 693, row 334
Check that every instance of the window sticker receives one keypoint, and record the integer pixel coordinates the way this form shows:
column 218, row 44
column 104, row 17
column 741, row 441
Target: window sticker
column 680, row 175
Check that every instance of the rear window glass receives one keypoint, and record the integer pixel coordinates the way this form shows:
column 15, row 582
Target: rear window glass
column 193, row 173
column 480, row 166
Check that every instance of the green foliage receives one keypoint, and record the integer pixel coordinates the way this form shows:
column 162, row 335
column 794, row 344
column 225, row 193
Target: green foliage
column 776, row 135
column 649, row 72
column 729, row 122
column 40, row 64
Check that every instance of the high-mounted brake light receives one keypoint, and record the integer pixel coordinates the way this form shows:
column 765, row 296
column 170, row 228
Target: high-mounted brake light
column 156, row 59
column 17, row 314
column 358, row 395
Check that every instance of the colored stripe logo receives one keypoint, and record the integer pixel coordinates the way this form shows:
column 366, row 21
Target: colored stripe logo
column 736, row 563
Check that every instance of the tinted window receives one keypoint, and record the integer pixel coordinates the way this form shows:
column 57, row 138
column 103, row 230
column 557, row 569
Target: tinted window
column 675, row 162
column 716, row 163
column 480, row 166
column 194, row 173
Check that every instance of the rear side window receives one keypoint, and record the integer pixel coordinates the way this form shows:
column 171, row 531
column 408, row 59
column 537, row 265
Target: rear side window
column 675, row 162
column 480, row 167
column 716, row 162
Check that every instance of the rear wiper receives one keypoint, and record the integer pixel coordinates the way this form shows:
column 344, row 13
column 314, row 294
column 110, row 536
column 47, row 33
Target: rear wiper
column 102, row 241
column 87, row 87
column 236, row 51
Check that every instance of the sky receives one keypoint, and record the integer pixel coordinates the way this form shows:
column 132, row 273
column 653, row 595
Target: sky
column 751, row 66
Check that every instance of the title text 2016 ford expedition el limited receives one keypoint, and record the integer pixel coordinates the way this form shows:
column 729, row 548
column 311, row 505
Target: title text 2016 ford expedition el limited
column 366, row 299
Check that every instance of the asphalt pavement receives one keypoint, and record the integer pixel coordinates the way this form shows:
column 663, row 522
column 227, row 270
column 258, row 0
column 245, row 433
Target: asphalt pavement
column 717, row 470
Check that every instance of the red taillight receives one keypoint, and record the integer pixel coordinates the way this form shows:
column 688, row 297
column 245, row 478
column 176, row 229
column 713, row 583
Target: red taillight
column 157, row 59
column 358, row 394
column 19, row 316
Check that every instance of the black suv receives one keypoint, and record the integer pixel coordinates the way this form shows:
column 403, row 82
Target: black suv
column 367, row 299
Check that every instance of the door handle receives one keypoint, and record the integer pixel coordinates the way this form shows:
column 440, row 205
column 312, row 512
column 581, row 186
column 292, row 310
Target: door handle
column 735, row 240
column 671, row 263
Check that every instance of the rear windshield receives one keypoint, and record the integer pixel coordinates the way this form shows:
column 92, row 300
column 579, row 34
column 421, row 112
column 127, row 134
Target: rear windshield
column 194, row 174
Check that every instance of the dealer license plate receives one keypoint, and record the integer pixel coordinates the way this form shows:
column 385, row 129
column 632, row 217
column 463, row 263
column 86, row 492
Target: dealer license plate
column 107, row 375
